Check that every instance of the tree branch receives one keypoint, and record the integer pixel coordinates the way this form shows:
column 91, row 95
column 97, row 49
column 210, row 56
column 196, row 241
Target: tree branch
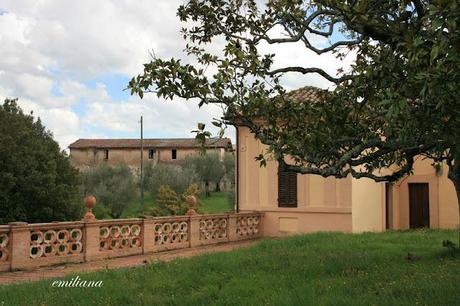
column 304, row 70
column 419, row 8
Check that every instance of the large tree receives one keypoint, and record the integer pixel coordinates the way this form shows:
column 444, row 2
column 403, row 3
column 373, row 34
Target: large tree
column 399, row 99
column 37, row 182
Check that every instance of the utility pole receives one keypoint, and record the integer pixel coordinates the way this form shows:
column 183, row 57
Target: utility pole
column 142, row 165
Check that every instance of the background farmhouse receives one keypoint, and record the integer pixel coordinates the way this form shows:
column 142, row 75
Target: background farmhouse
column 89, row 153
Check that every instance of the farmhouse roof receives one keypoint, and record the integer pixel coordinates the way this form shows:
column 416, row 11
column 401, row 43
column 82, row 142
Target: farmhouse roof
column 149, row 143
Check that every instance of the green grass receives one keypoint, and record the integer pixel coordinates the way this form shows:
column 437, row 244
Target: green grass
column 315, row 269
column 134, row 210
column 216, row 203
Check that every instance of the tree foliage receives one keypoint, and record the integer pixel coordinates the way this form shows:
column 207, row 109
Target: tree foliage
column 208, row 167
column 175, row 177
column 37, row 182
column 113, row 187
column 229, row 165
column 398, row 101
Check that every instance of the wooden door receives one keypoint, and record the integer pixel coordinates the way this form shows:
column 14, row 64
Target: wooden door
column 419, row 205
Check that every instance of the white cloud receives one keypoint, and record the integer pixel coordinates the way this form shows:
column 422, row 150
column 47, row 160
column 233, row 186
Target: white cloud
column 177, row 118
column 64, row 123
column 51, row 49
column 99, row 37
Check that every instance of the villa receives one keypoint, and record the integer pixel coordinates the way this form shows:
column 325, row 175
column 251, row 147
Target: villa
column 294, row 203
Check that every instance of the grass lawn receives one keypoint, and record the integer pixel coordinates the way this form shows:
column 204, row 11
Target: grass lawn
column 216, row 203
column 315, row 269
column 134, row 210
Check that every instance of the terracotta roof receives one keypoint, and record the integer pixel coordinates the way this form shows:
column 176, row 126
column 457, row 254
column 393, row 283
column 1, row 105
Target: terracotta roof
column 301, row 95
column 152, row 143
column 305, row 94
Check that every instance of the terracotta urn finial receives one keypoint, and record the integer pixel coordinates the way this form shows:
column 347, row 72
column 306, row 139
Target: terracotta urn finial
column 90, row 202
column 191, row 202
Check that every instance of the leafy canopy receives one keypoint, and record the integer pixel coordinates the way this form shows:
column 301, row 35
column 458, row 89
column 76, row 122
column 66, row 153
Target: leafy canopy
column 37, row 182
column 398, row 101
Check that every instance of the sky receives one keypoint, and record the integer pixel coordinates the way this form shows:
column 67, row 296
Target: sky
column 69, row 61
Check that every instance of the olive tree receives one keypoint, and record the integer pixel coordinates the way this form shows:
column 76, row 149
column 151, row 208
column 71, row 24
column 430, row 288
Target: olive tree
column 208, row 167
column 114, row 187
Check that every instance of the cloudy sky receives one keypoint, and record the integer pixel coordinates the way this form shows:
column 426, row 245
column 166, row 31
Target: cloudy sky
column 69, row 62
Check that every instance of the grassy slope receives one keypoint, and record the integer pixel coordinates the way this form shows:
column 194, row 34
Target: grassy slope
column 317, row 269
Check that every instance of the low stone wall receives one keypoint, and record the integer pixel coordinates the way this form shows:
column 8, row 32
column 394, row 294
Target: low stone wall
column 27, row 246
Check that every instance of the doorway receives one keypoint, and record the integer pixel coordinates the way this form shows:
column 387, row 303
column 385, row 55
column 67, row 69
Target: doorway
column 419, row 205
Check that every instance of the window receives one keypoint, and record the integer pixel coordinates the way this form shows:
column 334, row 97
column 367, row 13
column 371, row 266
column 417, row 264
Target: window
column 106, row 154
column 174, row 154
column 151, row 153
column 287, row 189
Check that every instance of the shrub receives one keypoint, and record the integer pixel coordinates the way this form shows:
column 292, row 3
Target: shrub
column 168, row 203
column 113, row 187
column 192, row 190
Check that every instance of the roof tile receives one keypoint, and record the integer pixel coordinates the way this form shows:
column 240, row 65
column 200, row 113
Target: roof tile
column 153, row 143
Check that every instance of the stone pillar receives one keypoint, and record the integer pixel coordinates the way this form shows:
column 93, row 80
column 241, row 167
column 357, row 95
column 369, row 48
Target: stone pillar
column 232, row 236
column 194, row 233
column 148, row 237
column 91, row 236
column 367, row 205
column 20, row 245
column 261, row 224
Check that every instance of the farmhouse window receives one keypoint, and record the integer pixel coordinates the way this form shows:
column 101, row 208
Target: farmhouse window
column 174, row 154
column 151, row 153
column 287, row 189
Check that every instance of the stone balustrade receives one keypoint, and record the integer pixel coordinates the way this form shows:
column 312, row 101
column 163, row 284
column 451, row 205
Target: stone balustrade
column 26, row 246
column 5, row 244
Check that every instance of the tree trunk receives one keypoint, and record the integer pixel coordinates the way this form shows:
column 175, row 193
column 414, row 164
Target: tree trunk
column 454, row 176
column 206, row 189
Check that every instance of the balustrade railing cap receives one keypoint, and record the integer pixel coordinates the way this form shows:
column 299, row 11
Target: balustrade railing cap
column 17, row 223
